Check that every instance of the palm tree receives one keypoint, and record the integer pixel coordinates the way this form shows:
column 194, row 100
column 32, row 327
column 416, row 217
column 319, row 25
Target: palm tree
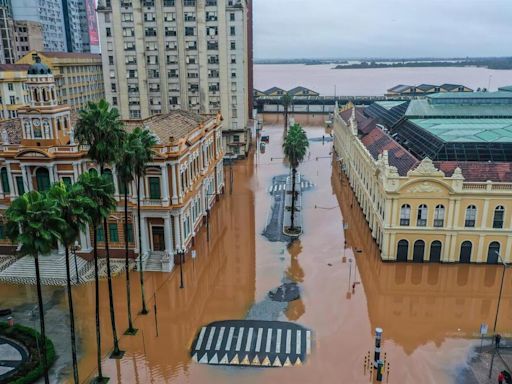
column 143, row 154
column 32, row 222
column 99, row 190
column 295, row 147
column 286, row 100
column 73, row 206
column 125, row 172
column 100, row 128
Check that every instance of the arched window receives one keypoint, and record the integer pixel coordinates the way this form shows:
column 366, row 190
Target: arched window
column 405, row 214
column 439, row 216
column 36, row 95
column 422, row 216
column 435, row 251
column 45, row 97
column 470, row 216
column 418, row 251
column 43, row 179
column 402, row 250
column 493, row 252
column 465, row 252
column 499, row 214
column 93, row 171
column 5, row 180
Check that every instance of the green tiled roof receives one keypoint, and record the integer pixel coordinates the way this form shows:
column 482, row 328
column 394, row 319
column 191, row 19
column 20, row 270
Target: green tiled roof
column 422, row 108
column 468, row 130
column 507, row 88
column 470, row 95
column 388, row 104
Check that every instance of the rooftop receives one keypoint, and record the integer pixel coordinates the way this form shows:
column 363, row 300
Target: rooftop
column 468, row 130
column 176, row 124
column 507, row 88
column 475, row 97
column 390, row 104
column 71, row 55
column 478, row 170
column 14, row 67
column 422, row 108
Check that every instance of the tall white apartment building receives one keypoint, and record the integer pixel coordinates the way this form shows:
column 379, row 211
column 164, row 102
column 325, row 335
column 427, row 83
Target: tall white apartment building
column 161, row 55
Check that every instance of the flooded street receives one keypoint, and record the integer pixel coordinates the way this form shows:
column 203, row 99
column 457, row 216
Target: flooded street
column 430, row 314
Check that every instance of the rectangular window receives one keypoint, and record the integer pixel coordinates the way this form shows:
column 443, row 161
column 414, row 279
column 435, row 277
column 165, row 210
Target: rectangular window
column 19, row 185
column 99, row 234
column 10, row 86
column 67, row 180
column 231, row 16
column 232, row 31
column 130, row 233
column 154, row 187
column 112, row 232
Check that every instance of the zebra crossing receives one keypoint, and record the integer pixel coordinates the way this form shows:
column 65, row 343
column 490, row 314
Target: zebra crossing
column 252, row 343
column 282, row 186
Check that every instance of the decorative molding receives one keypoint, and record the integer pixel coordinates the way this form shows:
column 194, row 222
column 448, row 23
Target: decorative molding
column 424, row 187
column 426, row 168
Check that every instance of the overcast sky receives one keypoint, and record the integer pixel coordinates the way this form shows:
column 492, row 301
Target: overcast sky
column 382, row 28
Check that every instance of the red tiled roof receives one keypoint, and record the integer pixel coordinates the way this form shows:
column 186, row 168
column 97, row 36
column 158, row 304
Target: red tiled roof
column 367, row 125
column 477, row 170
column 378, row 141
column 14, row 67
column 360, row 117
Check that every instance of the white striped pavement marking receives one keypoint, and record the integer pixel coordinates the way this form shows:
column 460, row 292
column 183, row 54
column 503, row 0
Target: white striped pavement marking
column 278, row 341
column 200, row 339
column 239, row 340
column 219, row 338
column 308, row 342
column 258, row 340
column 210, row 339
column 249, row 339
column 269, row 340
column 288, row 340
column 298, row 342
column 230, row 338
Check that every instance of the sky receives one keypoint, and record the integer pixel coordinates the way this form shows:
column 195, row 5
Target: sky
column 381, row 28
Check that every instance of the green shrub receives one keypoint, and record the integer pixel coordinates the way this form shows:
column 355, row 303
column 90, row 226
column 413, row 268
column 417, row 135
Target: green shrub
column 33, row 369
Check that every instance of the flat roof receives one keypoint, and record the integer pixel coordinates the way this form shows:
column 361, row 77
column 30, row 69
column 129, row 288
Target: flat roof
column 388, row 104
column 423, row 108
column 468, row 130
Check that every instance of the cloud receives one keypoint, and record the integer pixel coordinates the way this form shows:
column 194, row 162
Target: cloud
column 382, row 28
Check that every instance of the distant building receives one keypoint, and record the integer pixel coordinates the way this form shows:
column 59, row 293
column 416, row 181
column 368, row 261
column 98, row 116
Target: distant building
column 28, row 37
column 181, row 184
column 275, row 91
column 78, row 76
column 425, row 89
column 433, row 176
column 7, row 49
column 302, row 91
column 278, row 92
column 258, row 93
column 163, row 55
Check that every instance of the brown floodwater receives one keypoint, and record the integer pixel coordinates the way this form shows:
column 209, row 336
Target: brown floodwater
column 430, row 314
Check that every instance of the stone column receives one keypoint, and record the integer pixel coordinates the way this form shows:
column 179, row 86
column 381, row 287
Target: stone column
column 75, row 171
column 165, row 184
column 10, row 180
column 116, row 186
column 51, row 173
column 485, row 213
column 167, row 259
column 145, row 235
column 177, row 237
column 174, row 170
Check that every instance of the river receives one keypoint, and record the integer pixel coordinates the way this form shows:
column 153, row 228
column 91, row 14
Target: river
column 374, row 81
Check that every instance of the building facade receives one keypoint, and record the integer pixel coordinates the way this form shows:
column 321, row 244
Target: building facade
column 449, row 210
column 28, row 36
column 78, row 76
column 162, row 55
column 7, row 50
column 13, row 90
column 180, row 186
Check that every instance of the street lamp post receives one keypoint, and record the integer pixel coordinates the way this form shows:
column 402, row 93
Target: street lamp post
column 181, row 255
column 501, row 291
column 76, row 247
column 208, row 215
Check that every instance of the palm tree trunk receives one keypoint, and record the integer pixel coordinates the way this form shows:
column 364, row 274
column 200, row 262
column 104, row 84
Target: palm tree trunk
column 71, row 318
column 144, row 310
column 285, row 119
column 292, row 226
column 100, row 378
column 116, row 352
column 42, row 340
column 130, row 330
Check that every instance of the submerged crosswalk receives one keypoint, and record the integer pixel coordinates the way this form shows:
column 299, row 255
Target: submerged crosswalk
column 282, row 186
column 252, row 342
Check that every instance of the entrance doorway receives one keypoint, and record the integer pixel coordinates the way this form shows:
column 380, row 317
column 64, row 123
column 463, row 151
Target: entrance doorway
column 158, row 238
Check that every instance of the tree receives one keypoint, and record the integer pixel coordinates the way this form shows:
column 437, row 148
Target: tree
column 99, row 190
column 125, row 172
column 143, row 154
column 73, row 206
column 295, row 147
column 286, row 100
column 32, row 222
column 100, row 128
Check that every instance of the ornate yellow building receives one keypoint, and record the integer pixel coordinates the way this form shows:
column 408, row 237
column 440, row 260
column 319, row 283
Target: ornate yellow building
column 446, row 210
column 180, row 186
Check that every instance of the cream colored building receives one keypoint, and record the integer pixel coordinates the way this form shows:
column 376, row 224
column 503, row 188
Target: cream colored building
column 180, row 186
column 162, row 55
column 13, row 90
column 420, row 210
column 28, row 36
column 78, row 76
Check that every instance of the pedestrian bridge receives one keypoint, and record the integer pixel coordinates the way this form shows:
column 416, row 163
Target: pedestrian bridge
column 252, row 343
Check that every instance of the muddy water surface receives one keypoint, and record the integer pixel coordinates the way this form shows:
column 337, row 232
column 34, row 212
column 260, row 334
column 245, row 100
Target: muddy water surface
column 430, row 313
